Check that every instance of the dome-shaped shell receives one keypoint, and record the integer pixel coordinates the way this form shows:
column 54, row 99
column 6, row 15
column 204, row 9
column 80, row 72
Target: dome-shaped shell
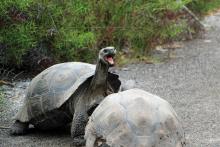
column 53, row 87
column 135, row 118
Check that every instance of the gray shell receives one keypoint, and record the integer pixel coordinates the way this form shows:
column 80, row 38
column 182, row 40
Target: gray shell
column 134, row 118
column 53, row 87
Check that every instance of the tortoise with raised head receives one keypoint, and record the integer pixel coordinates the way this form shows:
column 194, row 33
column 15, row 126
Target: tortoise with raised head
column 67, row 92
column 134, row 118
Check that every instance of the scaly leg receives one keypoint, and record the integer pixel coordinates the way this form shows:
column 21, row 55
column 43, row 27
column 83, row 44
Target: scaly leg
column 78, row 127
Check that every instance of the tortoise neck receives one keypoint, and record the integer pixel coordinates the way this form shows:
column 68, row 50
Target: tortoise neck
column 100, row 77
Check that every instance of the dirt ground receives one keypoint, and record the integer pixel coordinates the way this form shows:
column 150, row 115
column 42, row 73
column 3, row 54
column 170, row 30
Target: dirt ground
column 190, row 81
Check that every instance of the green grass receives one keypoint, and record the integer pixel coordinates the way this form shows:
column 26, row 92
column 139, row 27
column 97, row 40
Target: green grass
column 204, row 6
column 74, row 30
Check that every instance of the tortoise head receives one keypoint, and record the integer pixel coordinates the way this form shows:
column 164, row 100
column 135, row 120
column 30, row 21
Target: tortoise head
column 106, row 55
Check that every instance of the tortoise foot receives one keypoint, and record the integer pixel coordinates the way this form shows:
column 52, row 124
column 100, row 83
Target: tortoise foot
column 19, row 128
column 79, row 141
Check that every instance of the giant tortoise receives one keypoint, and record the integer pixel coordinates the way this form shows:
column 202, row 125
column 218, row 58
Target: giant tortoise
column 67, row 92
column 134, row 118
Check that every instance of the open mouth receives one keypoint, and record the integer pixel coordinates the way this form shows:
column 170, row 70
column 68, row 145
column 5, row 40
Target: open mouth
column 109, row 59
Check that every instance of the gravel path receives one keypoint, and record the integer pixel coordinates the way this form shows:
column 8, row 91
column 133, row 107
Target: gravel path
column 190, row 82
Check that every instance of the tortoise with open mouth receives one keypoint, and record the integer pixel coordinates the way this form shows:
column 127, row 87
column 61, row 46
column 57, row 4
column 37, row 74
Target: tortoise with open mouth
column 67, row 92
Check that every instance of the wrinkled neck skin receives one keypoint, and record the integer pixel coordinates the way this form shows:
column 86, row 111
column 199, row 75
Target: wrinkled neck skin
column 98, row 86
column 93, row 92
column 100, row 78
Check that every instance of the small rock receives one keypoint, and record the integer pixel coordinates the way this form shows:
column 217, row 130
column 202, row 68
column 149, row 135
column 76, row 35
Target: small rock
column 207, row 41
column 125, row 69
column 161, row 50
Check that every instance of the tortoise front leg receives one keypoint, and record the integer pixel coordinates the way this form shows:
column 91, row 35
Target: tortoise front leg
column 78, row 127
column 78, row 124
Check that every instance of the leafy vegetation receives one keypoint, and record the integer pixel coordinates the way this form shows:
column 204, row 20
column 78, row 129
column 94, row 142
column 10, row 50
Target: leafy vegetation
column 204, row 6
column 74, row 30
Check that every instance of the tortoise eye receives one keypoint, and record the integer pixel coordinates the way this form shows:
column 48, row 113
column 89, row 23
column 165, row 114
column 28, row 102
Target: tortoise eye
column 105, row 50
